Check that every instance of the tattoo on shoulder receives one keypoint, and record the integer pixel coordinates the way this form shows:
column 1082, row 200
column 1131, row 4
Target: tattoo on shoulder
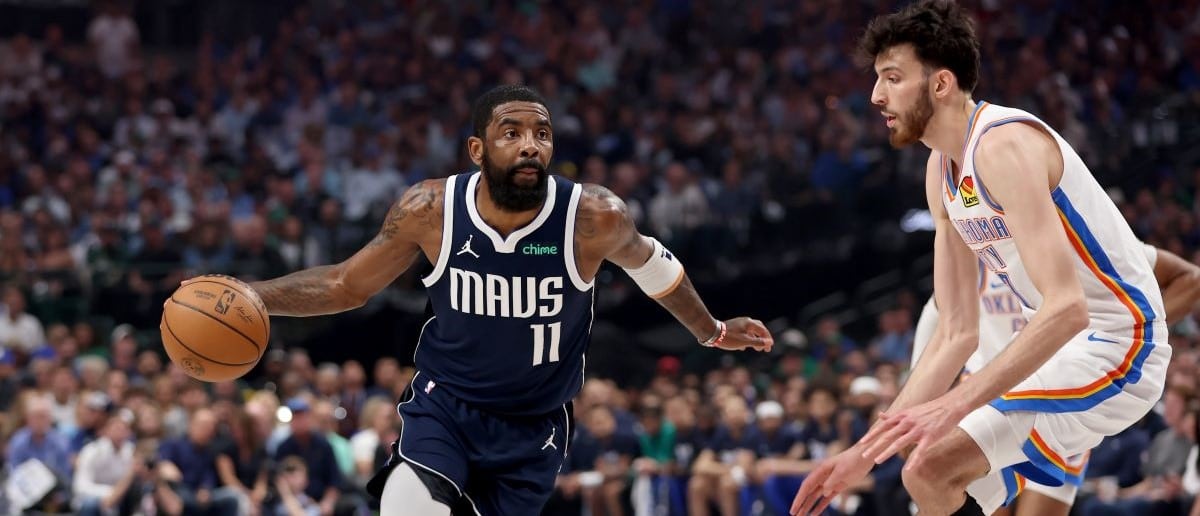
column 599, row 213
column 421, row 204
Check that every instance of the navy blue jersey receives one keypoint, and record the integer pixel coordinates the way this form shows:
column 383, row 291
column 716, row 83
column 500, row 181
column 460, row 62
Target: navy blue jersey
column 512, row 317
column 726, row 446
column 779, row 443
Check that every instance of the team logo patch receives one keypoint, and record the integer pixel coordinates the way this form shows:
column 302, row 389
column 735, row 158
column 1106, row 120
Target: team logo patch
column 967, row 189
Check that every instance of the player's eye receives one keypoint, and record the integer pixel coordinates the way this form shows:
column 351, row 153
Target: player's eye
column 510, row 133
column 893, row 79
column 543, row 134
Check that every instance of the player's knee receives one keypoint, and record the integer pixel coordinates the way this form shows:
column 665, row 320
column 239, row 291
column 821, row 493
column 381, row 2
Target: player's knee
column 406, row 493
column 922, row 477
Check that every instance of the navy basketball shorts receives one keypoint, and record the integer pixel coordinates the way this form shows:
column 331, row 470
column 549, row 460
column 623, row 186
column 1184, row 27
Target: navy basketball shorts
column 497, row 465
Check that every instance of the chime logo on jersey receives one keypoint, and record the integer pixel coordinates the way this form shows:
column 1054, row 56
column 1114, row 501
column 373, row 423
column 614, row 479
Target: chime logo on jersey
column 967, row 189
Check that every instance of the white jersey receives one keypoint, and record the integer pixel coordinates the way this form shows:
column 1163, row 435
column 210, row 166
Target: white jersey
column 1125, row 308
column 1000, row 317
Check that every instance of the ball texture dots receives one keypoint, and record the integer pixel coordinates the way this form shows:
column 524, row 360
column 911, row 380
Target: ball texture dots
column 215, row 327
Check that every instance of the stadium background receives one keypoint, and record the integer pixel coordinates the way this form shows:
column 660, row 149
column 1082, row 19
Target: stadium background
column 145, row 142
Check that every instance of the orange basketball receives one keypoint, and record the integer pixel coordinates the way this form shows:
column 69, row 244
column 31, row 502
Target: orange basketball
column 215, row 327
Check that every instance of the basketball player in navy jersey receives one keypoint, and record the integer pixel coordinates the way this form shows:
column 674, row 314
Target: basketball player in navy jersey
column 515, row 250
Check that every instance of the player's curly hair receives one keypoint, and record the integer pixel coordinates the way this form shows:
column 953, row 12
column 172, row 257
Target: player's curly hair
column 485, row 105
column 940, row 32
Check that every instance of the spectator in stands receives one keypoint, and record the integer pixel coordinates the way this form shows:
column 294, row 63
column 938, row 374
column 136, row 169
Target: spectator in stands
column 599, row 460
column 680, row 209
column 308, row 443
column 63, row 399
column 371, row 187
column 656, row 437
column 194, row 460
column 91, row 415
column 108, row 469
column 1160, row 491
column 325, row 422
column 252, row 256
column 829, row 342
column 386, row 371
column 19, row 330
column 292, row 485
column 328, row 381
column 242, row 463
column 352, row 396
column 114, row 37
column 373, row 441
column 726, row 463
column 820, row 435
column 895, row 339
column 38, row 439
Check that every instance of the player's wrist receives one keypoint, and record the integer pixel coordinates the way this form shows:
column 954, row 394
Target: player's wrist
column 716, row 337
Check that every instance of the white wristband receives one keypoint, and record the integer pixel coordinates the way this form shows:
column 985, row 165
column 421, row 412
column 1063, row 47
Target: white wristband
column 660, row 274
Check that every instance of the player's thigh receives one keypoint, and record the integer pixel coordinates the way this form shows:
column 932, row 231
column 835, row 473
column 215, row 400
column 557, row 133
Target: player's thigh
column 522, row 480
column 431, row 440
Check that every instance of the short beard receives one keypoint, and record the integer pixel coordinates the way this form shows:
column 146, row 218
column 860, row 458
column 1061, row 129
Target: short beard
column 506, row 193
column 910, row 126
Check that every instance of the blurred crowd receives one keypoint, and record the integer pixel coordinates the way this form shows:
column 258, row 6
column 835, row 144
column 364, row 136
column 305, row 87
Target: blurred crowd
column 734, row 130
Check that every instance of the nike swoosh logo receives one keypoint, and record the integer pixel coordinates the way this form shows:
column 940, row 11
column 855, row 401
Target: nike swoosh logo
column 1094, row 338
column 997, row 285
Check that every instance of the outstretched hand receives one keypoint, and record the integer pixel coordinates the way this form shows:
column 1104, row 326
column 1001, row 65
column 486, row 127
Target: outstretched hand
column 746, row 333
column 829, row 480
column 920, row 425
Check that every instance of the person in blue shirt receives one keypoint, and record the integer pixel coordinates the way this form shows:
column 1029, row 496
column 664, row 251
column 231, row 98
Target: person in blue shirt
column 39, row 440
column 820, row 435
column 599, row 461
column 726, row 462
column 307, row 442
column 192, row 461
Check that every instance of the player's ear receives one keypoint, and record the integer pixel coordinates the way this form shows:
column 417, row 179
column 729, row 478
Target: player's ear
column 942, row 83
column 475, row 150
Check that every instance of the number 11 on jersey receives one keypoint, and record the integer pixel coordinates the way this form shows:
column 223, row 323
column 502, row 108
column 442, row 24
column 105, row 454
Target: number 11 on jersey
column 539, row 341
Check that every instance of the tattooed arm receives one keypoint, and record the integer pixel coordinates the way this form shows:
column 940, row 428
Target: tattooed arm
column 413, row 222
column 604, row 230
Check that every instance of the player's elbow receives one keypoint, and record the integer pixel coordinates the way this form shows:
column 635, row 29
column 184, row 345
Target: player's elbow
column 1071, row 313
column 343, row 291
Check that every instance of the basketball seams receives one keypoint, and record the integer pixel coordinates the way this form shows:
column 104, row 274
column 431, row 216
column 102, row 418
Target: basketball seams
column 257, row 349
column 256, row 302
column 167, row 324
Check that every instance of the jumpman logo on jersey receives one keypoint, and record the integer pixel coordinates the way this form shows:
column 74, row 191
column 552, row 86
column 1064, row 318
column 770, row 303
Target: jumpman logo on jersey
column 550, row 440
column 466, row 247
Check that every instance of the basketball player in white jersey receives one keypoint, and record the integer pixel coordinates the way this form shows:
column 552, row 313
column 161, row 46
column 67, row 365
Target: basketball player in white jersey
column 1000, row 317
column 1005, row 189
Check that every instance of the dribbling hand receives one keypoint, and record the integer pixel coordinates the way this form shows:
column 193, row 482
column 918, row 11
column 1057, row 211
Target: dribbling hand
column 746, row 333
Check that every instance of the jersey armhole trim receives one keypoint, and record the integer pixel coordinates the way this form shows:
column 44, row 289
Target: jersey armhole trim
column 447, row 234
column 569, row 243
column 995, row 206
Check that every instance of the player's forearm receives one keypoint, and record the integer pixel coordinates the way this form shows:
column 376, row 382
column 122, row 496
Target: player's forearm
column 937, row 369
column 1046, row 333
column 1181, row 297
column 685, row 304
column 315, row 291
